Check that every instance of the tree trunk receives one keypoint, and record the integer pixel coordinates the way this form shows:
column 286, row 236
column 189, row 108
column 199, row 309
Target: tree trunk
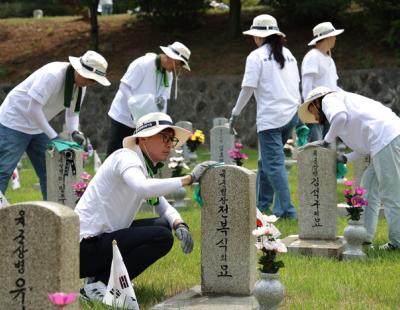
column 94, row 26
column 234, row 18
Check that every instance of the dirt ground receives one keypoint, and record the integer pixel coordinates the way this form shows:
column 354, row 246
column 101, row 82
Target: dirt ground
column 27, row 44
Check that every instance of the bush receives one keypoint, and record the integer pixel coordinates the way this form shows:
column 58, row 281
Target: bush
column 25, row 9
column 172, row 14
column 309, row 11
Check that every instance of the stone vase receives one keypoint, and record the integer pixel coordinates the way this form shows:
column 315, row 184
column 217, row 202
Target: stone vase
column 192, row 157
column 268, row 291
column 179, row 197
column 354, row 234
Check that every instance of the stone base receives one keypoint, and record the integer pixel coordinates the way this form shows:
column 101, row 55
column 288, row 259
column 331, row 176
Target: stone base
column 193, row 299
column 327, row 248
column 343, row 212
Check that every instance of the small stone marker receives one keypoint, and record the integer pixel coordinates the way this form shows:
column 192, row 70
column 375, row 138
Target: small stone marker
column 316, row 179
column 228, row 254
column 220, row 121
column 221, row 142
column 40, row 254
column 63, row 169
column 37, row 13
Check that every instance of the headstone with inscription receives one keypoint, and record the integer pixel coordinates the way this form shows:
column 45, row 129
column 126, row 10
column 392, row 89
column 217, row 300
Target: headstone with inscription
column 228, row 254
column 316, row 187
column 39, row 254
column 220, row 121
column 63, row 169
column 189, row 126
column 221, row 141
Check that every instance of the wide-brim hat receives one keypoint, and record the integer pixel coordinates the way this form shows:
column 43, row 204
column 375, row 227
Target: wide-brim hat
column 153, row 123
column 324, row 30
column 178, row 51
column 92, row 66
column 305, row 115
column 264, row 26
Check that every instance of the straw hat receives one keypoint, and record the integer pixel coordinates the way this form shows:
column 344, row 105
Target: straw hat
column 324, row 30
column 178, row 51
column 153, row 123
column 91, row 66
column 305, row 115
column 264, row 26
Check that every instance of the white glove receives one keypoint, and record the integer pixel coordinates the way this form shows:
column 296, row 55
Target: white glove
column 199, row 169
column 183, row 234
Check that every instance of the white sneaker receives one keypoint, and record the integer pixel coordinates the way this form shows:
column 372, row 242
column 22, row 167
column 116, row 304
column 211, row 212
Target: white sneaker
column 93, row 291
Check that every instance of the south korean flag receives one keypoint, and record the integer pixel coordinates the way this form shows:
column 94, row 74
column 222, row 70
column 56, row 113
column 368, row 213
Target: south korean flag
column 120, row 291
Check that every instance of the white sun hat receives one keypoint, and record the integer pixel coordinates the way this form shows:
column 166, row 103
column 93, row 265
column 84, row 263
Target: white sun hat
column 91, row 66
column 178, row 51
column 324, row 30
column 305, row 115
column 264, row 26
column 153, row 123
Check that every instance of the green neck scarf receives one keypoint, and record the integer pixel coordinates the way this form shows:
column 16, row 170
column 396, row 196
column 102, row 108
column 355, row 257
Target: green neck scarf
column 69, row 88
column 162, row 71
column 152, row 170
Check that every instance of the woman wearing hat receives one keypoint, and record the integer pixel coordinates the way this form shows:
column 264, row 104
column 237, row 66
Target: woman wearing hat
column 152, row 75
column 110, row 203
column 28, row 108
column 319, row 69
column 368, row 128
column 271, row 74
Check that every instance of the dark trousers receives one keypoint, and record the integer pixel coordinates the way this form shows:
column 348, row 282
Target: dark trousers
column 118, row 132
column 143, row 243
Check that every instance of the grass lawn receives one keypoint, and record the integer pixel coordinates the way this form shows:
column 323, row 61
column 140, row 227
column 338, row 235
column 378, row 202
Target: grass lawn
column 310, row 282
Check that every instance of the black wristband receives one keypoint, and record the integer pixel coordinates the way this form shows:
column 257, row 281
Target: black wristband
column 182, row 224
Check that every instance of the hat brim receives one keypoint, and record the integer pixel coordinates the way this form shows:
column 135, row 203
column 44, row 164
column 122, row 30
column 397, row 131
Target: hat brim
column 330, row 34
column 172, row 55
column 263, row 33
column 76, row 64
column 181, row 134
column 304, row 114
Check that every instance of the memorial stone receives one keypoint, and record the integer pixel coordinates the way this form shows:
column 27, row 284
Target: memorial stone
column 220, row 121
column 228, row 254
column 221, row 142
column 40, row 254
column 189, row 126
column 37, row 13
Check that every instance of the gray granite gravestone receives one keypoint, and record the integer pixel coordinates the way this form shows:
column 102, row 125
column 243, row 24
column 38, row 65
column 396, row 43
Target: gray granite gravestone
column 228, row 254
column 316, row 188
column 40, row 254
column 63, row 169
column 221, row 141
column 37, row 13
column 189, row 126
column 220, row 121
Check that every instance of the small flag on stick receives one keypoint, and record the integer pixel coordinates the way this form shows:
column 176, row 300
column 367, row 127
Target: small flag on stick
column 15, row 184
column 120, row 291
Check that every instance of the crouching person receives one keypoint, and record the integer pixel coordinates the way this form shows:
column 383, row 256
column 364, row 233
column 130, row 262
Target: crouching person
column 109, row 205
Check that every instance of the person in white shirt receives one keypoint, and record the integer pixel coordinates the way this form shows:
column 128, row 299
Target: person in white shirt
column 150, row 74
column 271, row 74
column 109, row 205
column 26, row 111
column 105, row 7
column 368, row 128
column 318, row 69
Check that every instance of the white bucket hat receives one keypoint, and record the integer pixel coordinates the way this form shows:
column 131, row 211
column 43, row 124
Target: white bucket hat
column 305, row 115
column 91, row 66
column 324, row 30
column 264, row 26
column 153, row 123
column 178, row 51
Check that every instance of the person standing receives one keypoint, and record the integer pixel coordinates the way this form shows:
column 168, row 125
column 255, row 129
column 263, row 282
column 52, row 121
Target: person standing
column 26, row 111
column 271, row 74
column 318, row 68
column 109, row 205
column 149, row 74
column 368, row 128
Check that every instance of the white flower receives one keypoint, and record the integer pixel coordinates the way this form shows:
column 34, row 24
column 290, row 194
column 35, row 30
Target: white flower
column 259, row 245
column 275, row 245
column 172, row 165
column 268, row 229
column 270, row 218
column 274, row 231
column 179, row 151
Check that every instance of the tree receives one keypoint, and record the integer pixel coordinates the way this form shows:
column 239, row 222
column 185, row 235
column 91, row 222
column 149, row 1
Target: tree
column 94, row 26
column 234, row 17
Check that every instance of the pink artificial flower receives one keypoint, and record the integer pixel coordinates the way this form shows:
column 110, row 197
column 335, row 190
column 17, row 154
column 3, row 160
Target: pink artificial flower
column 238, row 145
column 347, row 191
column 360, row 191
column 85, row 156
column 85, row 176
column 62, row 299
column 349, row 183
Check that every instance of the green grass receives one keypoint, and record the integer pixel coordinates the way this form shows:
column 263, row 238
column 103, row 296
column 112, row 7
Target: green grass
column 310, row 282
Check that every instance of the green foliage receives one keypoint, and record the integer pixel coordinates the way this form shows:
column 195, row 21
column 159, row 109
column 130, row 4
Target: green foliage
column 309, row 11
column 172, row 14
column 25, row 8
column 268, row 263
